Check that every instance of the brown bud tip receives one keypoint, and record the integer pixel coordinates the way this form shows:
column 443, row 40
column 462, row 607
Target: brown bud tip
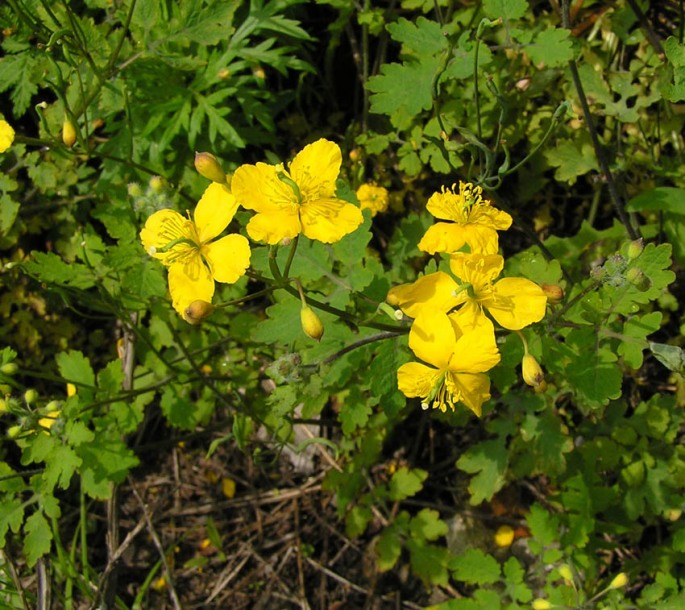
column 197, row 311
column 208, row 167
column 68, row 133
column 554, row 293
column 311, row 323
column 532, row 372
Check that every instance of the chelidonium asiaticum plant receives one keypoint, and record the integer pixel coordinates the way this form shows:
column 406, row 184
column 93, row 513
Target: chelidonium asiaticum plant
column 452, row 333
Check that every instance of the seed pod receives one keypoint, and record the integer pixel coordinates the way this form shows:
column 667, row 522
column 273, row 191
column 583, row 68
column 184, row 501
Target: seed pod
column 208, row 167
column 311, row 323
column 68, row 133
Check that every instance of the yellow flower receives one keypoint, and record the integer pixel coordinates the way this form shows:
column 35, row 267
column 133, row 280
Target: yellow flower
column 473, row 221
column 514, row 302
column 504, row 536
column 6, row 135
column 372, row 197
column 185, row 246
column 456, row 362
column 298, row 200
column 48, row 421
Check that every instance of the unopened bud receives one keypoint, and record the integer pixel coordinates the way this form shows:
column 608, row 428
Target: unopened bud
column 620, row 580
column 68, row 132
column 10, row 368
column 565, row 573
column 541, row 604
column 355, row 155
column 14, row 431
column 197, row 311
column 156, row 184
column 504, row 536
column 207, row 166
column 638, row 279
column 554, row 293
column 71, row 390
column 532, row 372
column 392, row 299
column 3, row 405
column 311, row 323
column 30, row 396
column 635, row 248
column 134, row 189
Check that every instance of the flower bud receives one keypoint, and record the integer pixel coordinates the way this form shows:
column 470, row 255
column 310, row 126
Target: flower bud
column 541, row 604
column 554, row 293
column 638, row 279
column 14, row 431
column 71, row 390
column 10, row 368
column 68, row 133
column 620, row 580
column 504, row 536
column 197, row 311
column 532, row 372
column 156, row 184
column 134, row 189
column 3, row 405
column 49, row 419
column 565, row 573
column 30, row 396
column 208, row 167
column 635, row 248
column 311, row 323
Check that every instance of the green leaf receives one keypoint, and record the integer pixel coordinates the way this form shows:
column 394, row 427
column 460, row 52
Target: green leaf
column 422, row 38
column 390, row 94
column 406, row 483
column 506, row 9
column 38, row 538
column 551, row 47
column 572, row 158
column 489, row 459
column 357, row 521
column 550, row 441
column 659, row 199
column 427, row 525
column 388, row 548
column 671, row 356
column 475, row 567
column 636, row 330
column 75, row 368
column 354, row 413
column 105, row 461
column 428, row 562
column 544, row 526
column 11, row 517
column 51, row 269
column 675, row 53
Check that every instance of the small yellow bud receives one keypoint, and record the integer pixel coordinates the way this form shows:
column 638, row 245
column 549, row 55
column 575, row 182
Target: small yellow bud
column 197, row 311
column 620, row 580
column 311, row 323
column 228, row 487
column 554, row 293
column 355, row 155
column 566, row 574
column 3, row 405
column 541, row 604
column 532, row 372
column 68, row 133
column 224, row 73
column 208, row 167
column 71, row 390
column 259, row 73
column 156, row 184
column 504, row 536
column 134, row 190
column 674, row 514
column 30, row 396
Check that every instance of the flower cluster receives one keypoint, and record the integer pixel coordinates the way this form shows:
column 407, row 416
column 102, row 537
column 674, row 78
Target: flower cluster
column 287, row 201
column 452, row 332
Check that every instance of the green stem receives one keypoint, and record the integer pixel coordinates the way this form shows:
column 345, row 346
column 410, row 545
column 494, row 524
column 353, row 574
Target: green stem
column 291, row 256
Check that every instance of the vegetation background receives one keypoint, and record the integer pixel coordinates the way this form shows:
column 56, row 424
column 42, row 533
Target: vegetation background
column 149, row 463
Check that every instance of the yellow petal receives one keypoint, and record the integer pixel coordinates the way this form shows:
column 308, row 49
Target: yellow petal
column 516, row 302
column 315, row 169
column 476, row 350
column 6, row 136
column 190, row 282
column 329, row 220
column 416, row 380
column 433, row 291
column 214, row 211
column 162, row 228
column 276, row 225
column 473, row 389
column 447, row 205
column 432, row 338
column 443, row 237
column 491, row 217
column 257, row 187
column 228, row 258
column 476, row 269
